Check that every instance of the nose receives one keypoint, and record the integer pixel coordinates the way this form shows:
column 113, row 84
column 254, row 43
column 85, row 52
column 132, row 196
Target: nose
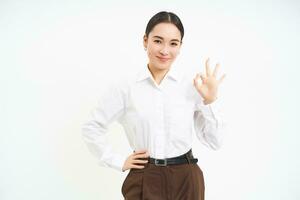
column 164, row 50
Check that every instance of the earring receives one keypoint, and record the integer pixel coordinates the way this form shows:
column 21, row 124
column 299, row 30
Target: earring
column 145, row 48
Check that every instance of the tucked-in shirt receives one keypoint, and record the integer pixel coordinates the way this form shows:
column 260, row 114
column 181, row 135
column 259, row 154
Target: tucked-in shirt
column 161, row 118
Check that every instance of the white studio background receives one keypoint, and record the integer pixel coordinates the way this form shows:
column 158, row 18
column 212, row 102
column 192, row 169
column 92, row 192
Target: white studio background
column 57, row 56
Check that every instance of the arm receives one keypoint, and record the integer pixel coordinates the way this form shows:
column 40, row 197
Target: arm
column 110, row 108
column 209, row 124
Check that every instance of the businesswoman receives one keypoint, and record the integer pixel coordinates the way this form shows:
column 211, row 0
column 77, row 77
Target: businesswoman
column 160, row 109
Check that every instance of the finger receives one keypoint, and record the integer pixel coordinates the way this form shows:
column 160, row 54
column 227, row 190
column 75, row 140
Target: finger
column 196, row 82
column 208, row 72
column 140, row 151
column 202, row 77
column 196, row 79
column 140, row 161
column 216, row 70
column 145, row 155
column 137, row 166
column 222, row 78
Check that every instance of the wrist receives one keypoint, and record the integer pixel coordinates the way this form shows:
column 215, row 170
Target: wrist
column 209, row 101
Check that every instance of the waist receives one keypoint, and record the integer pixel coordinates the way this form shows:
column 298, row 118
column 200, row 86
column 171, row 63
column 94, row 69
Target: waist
column 181, row 159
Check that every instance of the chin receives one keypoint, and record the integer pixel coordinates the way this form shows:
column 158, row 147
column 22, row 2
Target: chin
column 163, row 65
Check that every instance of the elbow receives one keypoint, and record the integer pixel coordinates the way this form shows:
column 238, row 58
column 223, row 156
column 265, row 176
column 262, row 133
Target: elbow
column 216, row 145
column 88, row 132
column 85, row 133
column 92, row 131
column 85, row 128
column 213, row 141
column 214, row 137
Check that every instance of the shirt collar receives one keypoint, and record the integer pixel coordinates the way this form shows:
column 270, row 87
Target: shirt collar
column 145, row 73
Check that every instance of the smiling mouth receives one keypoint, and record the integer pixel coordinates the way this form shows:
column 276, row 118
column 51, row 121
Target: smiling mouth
column 163, row 59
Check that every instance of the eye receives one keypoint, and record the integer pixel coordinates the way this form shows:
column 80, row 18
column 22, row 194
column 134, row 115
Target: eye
column 174, row 44
column 157, row 41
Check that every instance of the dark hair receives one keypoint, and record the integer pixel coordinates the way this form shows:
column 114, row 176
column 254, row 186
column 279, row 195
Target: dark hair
column 167, row 17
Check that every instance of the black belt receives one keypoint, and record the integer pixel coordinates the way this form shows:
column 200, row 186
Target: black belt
column 182, row 159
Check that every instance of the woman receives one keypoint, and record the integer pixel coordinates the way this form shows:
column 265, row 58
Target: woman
column 159, row 109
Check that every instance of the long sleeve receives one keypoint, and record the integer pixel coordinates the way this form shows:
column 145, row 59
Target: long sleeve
column 110, row 108
column 209, row 124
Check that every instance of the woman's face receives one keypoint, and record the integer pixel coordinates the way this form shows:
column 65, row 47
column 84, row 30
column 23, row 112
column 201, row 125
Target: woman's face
column 163, row 45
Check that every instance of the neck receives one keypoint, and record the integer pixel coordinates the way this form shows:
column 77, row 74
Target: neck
column 157, row 74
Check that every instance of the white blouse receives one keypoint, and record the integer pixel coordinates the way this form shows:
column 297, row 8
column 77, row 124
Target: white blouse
column 160, row 118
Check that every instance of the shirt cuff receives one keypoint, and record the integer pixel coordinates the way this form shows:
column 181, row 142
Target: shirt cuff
column 208, row 109
column 118, row 162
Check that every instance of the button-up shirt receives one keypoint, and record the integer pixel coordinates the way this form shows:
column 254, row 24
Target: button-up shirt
column 161, row 118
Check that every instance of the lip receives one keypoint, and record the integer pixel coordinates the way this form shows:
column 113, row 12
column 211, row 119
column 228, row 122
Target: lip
column 163, row 59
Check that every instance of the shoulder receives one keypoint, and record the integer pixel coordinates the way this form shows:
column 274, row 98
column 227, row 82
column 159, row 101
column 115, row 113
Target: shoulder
column 123, row 83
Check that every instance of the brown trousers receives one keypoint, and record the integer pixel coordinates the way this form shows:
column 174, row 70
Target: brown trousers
column 173, row 182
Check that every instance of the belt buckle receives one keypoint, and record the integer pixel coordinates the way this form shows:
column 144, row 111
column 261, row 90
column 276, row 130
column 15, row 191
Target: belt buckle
column 156, row 162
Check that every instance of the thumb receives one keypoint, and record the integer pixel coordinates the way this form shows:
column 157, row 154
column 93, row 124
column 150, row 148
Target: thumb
column 202, row 77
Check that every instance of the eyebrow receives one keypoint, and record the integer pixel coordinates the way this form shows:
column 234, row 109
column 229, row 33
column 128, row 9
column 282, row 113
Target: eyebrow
column 163, row 38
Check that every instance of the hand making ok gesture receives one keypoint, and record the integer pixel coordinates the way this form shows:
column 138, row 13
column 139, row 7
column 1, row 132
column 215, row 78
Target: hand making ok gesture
column 208, row 89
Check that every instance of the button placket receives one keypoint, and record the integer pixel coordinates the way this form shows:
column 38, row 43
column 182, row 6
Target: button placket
column 162, row 134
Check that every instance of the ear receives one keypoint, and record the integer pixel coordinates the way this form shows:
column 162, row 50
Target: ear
column 145, row 41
